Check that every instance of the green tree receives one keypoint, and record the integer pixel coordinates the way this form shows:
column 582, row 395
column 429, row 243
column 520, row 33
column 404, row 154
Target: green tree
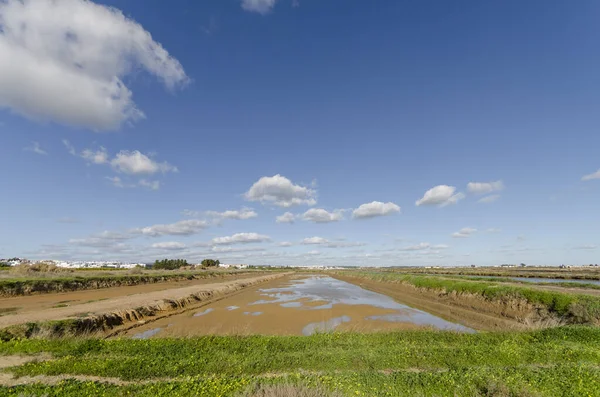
column 210, row 263
column 170, row 264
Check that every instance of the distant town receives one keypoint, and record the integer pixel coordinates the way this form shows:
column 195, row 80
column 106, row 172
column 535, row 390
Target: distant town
column 130, row 265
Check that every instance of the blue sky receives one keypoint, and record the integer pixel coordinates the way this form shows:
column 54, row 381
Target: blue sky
column 157, row 130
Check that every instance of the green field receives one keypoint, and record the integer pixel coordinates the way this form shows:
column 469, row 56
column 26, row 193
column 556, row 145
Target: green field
column 553, row 362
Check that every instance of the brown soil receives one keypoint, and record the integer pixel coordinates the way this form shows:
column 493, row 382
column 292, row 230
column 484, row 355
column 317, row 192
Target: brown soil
column 272, row 320
column 35, row 303
column 126, row 305
column 12, row 361
column 470, row 310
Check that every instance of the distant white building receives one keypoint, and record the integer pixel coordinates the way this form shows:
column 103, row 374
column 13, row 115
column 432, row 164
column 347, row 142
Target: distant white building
column 227, row 266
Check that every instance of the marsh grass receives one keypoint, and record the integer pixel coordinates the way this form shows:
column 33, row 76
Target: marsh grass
column 570, row 308
column 562, row 361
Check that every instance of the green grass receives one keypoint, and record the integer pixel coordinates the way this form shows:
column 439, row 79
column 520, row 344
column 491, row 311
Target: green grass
column 551, row 362
column 573, row 308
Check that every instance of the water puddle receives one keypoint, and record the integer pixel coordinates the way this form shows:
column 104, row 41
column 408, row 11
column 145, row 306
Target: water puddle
column 204, row 312
column 291, row 304
column 303, row 305
column 324, row 326
column 147, row 334
column 543, row 280
column 555, row 280
column 329, row 292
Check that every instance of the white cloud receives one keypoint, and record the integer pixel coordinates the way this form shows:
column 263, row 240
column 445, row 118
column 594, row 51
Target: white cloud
column 240, row 238
column 135, row 162
column 287, row 217
column 169, row 245
column 243, row 214
column 65, row 60
column 100, row 240
column 586, row 247
column 484, row 187
column 125, row 162
column 329, row 244
column 285, row 244
column 314, row 240
column 181, row 228
column 375, row 208
column 589, row 177
column 234, row 249
column 489, row 199
column 280, row 191
column 314, row 252
column 319, row 215
column 69, row 147
column 115, row 181
column 441, row 195
column 464, row 232
column 36, row 148
column 344, row 244
column 424, row 246
column 259, row 6
column 97, row 157
column 152, row 185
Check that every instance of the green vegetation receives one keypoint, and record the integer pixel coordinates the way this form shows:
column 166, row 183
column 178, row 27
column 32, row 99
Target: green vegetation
column 572, row 308
column 4, row 265
column 559, row 361
column 170, row 264
column 210, row 263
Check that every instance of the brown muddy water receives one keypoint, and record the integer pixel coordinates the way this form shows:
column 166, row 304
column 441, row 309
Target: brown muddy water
column 296, row 305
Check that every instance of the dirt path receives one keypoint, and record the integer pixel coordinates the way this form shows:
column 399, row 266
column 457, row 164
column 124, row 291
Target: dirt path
column 35, row 303
column 121, row 303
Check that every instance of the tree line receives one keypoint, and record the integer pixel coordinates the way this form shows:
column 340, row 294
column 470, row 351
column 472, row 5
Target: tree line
column 172, row 264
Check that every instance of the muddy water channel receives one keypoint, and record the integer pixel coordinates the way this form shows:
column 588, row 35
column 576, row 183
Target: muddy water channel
column 297, row 305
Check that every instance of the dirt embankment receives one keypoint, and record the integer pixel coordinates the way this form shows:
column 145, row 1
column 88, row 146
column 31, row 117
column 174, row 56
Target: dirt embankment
column 9, row 288
column 38, row 302
column 468, row 309
column 106, row 315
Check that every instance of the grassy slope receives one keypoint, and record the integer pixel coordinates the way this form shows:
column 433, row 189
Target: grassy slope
column 559, row 361
column 574, row 308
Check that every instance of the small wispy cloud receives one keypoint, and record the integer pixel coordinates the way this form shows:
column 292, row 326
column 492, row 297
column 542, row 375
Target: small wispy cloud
column 464, row 232
column 586, row 247
column 36, row 148
column 589, row 177
column 212, row 26
column 489, row 199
